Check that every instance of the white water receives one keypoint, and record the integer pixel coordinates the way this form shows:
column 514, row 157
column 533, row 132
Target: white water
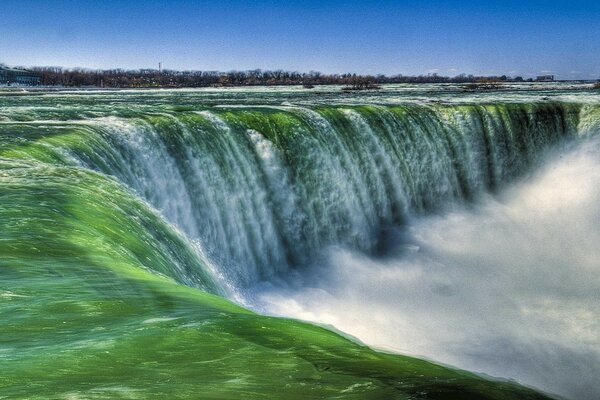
column 509, row 287
column 506, row 286
column 266, row 190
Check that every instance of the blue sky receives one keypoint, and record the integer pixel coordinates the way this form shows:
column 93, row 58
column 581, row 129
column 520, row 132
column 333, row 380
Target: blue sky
column 409, row 37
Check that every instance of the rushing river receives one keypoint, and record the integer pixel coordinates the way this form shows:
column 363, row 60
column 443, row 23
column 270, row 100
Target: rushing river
column 456, row 226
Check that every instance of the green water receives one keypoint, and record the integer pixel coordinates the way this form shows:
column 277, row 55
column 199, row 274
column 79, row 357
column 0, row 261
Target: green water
column 127, row 221
column 93, row 307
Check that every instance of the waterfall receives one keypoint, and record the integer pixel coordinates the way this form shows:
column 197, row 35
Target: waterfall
column 460, row 227
column 266, row 189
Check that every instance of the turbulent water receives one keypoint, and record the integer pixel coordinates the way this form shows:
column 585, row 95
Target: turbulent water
column 510, row 287
column 460, row 227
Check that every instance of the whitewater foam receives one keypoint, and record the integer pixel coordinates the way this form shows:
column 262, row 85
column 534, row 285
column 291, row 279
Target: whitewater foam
column 509, row 287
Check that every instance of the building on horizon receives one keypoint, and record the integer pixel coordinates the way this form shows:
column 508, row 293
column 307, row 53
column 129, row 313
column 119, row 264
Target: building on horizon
column 19, row 77
column 545, row 78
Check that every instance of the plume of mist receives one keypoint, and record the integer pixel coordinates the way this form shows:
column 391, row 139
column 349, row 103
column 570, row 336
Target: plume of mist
column 509, row 287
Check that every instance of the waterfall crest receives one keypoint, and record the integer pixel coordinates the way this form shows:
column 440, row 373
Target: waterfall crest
column 265, row 189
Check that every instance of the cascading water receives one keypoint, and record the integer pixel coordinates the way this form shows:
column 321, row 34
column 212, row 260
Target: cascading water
column 264, row 189
column 258, row 195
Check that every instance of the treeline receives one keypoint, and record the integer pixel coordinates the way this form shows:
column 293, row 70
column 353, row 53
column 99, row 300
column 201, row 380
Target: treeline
column 120, row 78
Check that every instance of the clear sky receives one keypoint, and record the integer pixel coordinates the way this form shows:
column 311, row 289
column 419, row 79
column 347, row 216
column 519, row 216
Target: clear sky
column 409, row 37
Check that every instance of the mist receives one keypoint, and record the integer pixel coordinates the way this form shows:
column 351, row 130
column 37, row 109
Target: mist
column 508, row 287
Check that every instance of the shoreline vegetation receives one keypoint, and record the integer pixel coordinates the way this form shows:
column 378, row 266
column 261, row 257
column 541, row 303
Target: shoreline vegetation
column 153, row 78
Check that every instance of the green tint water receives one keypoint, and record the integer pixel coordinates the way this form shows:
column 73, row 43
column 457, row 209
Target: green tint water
column 92, row 306
column 127, row 219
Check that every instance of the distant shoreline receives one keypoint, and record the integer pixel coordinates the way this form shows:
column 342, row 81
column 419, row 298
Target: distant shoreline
column 525, row 86
column 158, row 78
